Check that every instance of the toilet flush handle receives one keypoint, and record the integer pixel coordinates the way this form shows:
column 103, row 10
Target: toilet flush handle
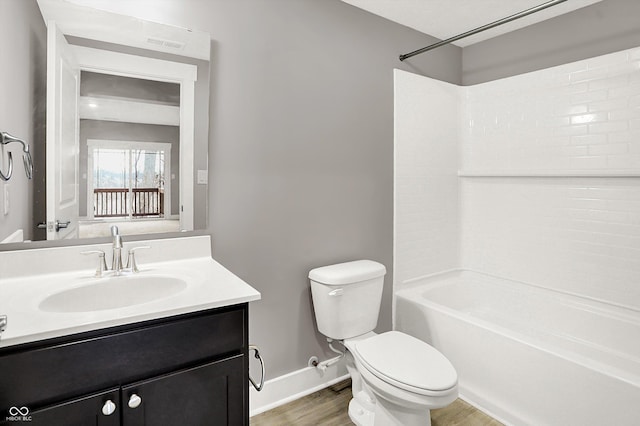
column 336, row 292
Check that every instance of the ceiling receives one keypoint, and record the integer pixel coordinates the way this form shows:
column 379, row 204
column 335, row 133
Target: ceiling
column 446, row 18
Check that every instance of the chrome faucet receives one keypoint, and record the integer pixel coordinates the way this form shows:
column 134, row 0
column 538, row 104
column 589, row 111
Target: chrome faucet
column 116, row 264
column 117, row 267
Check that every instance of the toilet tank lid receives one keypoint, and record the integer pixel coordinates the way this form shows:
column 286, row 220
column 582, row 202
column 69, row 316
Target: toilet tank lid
column 348, row 272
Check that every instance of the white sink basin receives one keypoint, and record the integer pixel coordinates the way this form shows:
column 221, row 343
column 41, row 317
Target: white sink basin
column 101, row 294
column 50, row 292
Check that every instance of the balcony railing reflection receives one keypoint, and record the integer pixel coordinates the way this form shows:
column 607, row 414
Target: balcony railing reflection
column 118, row 202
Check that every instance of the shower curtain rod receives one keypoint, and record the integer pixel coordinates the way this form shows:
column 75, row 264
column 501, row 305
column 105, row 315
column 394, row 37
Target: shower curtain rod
column 483, row 28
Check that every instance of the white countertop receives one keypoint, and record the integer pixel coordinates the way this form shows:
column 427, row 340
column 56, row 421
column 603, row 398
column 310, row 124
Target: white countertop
column 209, row 285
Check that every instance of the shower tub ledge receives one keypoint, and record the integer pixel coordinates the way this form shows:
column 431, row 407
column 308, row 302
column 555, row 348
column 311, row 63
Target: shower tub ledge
column 528, row 355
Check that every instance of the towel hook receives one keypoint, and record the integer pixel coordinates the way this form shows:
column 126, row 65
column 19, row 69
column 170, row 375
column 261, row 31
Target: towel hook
column 5, row 139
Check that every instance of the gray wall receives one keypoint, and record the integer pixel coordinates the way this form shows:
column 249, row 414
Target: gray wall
column 301, row 151
column 23, row 44
column 604, row 27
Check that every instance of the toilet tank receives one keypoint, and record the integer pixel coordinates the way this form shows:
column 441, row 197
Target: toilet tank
column 346, row 297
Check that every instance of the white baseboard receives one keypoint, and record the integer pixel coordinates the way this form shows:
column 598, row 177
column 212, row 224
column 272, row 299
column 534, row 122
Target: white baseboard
column 294, row 385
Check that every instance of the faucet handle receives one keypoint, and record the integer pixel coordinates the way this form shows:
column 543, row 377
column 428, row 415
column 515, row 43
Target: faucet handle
column 102, row 263
column 131, row 258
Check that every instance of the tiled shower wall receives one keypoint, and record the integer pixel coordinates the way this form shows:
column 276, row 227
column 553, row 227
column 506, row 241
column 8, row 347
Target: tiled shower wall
column 575, row 234
column 582, row 116
column 579, row 235
column 549, row 191
column 426, row 216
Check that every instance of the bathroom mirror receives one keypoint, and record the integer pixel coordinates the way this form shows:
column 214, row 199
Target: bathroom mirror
column 126, row 141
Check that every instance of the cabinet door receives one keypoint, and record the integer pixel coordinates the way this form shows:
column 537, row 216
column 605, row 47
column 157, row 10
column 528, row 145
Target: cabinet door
column 85, row 411
column 210, row 394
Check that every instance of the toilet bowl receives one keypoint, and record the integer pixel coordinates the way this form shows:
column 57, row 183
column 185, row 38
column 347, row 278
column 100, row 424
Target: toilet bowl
column 406, row 376
column 396, row 378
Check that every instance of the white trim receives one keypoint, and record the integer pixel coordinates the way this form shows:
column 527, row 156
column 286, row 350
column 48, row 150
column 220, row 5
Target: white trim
column 89, row 216
column 294, row 385
column 128, row 111
column 127, row 144
column 122, row 64
column 187, row 155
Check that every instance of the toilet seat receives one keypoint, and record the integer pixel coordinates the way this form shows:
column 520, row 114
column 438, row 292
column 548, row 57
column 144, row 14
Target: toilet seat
column 406, row 362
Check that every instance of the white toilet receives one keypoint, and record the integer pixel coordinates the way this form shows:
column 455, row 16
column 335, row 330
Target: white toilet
column 396, row 378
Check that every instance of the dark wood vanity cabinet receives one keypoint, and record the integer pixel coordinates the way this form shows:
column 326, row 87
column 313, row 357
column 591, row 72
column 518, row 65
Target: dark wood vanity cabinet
column 185, row 370
column 86, row 410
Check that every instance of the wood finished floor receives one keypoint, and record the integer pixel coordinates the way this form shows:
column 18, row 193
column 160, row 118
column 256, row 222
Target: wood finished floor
column 328, row 407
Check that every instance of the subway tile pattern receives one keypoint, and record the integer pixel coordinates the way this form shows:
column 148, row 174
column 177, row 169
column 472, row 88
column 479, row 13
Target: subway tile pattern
column 574, row 234
column 577, row 235
column 426, row 225
column 574, row 117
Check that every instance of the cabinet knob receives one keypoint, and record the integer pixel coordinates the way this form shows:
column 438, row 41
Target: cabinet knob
column 108, row 408
column 134, row 401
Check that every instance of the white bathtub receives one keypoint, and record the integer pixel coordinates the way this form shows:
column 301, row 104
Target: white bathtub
column 527, row 355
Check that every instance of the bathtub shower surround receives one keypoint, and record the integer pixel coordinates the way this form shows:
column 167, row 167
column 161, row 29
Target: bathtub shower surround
column 543, row 192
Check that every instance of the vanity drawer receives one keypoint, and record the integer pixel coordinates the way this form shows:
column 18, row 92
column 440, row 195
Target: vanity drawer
column 39, row 374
